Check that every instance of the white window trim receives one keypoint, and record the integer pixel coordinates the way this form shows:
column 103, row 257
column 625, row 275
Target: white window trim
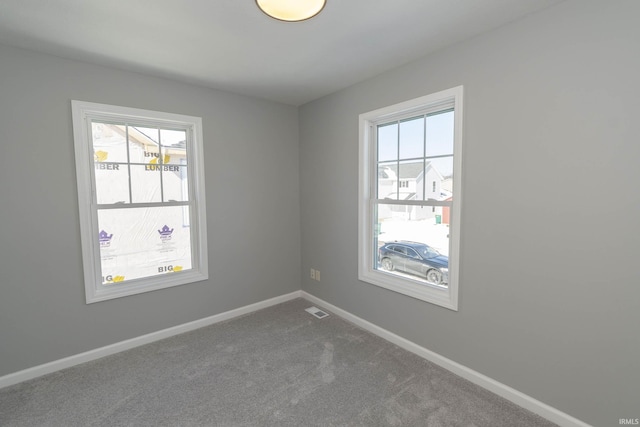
column 83, row 113
column 445, row 297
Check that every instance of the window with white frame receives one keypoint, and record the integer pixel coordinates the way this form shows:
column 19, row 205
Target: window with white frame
column 409, row 235
column 141, row 198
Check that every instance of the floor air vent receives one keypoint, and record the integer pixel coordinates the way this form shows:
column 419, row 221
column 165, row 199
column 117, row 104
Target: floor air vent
column 316, row 312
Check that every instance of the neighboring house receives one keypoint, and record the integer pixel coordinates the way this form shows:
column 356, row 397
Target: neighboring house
column 411, row 182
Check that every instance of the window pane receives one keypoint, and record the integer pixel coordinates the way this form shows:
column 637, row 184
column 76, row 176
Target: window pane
column 412, row 138
column 143, row 242
column 140, row 152
column 425, row 230
column 387, row 181
column 440, row 134
column 109, row 142
column 112, row 183
column 438, row 183
column 388, row 142
column 175, row 184
column 174, row 146
column 143, row 145
column 410, row 175
column 145, row 183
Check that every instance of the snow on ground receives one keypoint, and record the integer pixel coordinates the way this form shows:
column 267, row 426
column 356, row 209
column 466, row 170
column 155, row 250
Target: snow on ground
column 424, row 231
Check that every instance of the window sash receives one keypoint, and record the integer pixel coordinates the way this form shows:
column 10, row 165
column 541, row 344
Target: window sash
column 424, row 203
column 118, row 120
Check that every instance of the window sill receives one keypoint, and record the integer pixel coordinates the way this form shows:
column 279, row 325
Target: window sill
column 433, row 294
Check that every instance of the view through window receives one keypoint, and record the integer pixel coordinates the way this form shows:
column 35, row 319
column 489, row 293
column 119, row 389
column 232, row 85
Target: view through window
column 415, row 193
column 139, row 165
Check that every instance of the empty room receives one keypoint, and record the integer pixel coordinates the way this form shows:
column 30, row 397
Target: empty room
column 319, row 213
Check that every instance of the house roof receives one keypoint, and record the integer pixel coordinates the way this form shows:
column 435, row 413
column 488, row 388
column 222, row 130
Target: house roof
column 410, row 170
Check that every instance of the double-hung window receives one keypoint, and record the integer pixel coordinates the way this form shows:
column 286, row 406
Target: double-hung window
column 410, row 197
column 141, row 199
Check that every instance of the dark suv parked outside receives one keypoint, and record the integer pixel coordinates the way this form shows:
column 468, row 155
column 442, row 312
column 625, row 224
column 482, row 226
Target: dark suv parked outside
column 415, row 258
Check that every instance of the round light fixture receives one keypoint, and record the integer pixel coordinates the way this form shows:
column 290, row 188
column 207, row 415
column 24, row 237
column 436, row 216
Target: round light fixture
column 291, row 10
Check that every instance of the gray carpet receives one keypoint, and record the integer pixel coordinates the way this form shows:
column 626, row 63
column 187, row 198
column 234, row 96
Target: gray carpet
column 275, row 367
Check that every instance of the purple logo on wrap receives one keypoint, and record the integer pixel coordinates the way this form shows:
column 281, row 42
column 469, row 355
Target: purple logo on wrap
column 105, row 239
column 165, row 233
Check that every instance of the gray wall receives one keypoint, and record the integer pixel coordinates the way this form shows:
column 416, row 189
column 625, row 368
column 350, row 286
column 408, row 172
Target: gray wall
column 251, row 167
column 550, row 295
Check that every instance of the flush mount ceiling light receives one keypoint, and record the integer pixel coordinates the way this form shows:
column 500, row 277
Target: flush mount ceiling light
column 291, row 10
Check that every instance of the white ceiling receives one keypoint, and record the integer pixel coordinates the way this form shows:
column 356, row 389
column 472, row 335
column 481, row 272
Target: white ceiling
column 231, row 45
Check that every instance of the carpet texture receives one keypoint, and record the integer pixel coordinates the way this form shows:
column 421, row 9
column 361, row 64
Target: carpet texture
column 276, row 367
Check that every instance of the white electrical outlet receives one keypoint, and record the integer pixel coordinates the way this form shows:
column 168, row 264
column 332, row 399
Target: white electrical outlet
column 313, row 274
column 318, row 275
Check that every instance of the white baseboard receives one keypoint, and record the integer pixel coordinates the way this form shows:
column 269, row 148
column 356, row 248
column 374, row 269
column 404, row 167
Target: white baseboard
column 98, row 353
column 550, row 413
column 520, row 399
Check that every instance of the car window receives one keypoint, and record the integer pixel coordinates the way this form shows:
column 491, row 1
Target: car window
column 428, row 252
column 412, row 253
column 400, row 249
